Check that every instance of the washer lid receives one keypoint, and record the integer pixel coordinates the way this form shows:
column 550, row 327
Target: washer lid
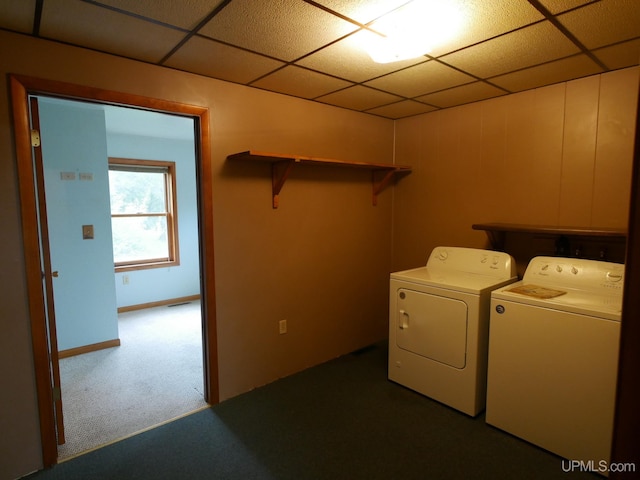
column 607, row 306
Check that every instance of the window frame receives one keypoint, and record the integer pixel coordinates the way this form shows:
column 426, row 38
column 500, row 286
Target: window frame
column 171, row 214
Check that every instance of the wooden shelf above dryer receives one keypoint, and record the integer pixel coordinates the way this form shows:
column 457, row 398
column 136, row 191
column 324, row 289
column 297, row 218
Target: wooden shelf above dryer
column 497, row 231
column 281, row 166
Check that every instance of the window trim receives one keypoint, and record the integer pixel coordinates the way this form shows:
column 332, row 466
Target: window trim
column 173, row 260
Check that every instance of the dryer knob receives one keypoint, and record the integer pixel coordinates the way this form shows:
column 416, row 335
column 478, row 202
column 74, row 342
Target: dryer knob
column 614, row 276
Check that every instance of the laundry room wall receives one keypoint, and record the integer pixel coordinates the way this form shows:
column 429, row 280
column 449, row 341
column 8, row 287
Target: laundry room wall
column 321, row 260
column 559, row 155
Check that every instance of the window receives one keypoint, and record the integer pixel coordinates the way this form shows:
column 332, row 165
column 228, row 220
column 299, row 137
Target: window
column 143, row 213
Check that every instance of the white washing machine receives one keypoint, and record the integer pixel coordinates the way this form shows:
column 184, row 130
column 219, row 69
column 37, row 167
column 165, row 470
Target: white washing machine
column 438, row 324
column 553, row 356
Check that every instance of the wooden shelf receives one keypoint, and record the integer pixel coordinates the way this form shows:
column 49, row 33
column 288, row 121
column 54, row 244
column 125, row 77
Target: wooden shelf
column 497, row 231
column 281, row 166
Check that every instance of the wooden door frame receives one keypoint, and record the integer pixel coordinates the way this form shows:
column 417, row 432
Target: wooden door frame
column 21, row 88
column 624, row 449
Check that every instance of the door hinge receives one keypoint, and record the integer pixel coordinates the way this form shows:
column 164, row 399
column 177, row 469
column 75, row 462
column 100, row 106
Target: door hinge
column 57, row 394
column 35, row 138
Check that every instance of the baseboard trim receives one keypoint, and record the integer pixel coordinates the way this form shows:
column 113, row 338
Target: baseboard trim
column 88, row 348
column 170, row 301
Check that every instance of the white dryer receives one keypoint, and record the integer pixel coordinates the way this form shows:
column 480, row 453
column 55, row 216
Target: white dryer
column 438, row 324
column 553, row 356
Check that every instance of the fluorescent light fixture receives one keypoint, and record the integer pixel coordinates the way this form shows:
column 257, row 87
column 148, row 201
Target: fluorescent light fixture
column 413, row 30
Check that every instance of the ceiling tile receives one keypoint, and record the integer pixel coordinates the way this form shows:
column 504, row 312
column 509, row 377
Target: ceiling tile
column 359, row 98
column 363, row 11
column 523, row 48
column 81, row 23
column 405, row 108
column 485, row 19
column 420, row 79
column 558, row 6
column 207, row 57
column 471, row 92
column 184, row 14
column 284, row 29
column 17, row 16
column 547, row 74
column 604, row 23
column 300, row 82
column 620, row 55
column 313, row 50
column 347, row 59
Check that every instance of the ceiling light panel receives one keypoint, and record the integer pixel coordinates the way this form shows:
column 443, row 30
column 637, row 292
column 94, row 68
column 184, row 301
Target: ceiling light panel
column 285, row 29
column 347, row 59
column 81, row 23
column 523, row 48
column 413, row 30
column 184, row 14
column 207, row 57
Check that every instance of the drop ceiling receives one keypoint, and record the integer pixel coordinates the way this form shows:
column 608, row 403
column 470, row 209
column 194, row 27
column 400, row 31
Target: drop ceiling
column 309, row 49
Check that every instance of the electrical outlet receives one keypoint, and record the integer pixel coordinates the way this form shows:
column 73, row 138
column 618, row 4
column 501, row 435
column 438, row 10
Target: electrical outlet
column 125, row 279
column 282, row 324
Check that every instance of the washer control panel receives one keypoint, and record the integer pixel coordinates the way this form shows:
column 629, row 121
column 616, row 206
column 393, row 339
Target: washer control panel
column 590, row 275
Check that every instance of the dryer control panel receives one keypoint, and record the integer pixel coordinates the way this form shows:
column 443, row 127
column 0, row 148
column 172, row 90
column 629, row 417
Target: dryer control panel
column 472, row 260
column 587, row 275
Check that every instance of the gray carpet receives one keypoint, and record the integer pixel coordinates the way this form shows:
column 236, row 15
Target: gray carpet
column 154, row 376
column 339, row 420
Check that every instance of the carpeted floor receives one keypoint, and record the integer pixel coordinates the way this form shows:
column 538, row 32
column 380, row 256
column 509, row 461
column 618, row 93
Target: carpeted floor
column 339, row 420
column 154, row 376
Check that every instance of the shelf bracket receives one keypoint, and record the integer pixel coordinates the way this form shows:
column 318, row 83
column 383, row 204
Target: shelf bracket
column 497, row 239
column 279, row 173
column 379, row 185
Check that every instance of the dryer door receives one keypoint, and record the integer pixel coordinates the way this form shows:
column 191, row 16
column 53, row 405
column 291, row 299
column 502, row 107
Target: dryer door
column 432, row 326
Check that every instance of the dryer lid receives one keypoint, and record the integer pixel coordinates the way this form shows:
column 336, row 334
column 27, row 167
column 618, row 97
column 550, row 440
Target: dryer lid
column 451, row 280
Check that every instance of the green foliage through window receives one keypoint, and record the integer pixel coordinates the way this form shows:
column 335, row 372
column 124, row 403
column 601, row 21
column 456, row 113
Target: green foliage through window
column 142, row 211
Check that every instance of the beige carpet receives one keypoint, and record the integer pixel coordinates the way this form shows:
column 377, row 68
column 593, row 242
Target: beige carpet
column 153, row 377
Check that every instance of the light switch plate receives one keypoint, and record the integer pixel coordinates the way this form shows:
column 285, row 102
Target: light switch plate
column 87, row 232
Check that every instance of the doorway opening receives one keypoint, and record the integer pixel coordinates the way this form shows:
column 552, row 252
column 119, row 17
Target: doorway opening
column 127, row 362
column 38, row 265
